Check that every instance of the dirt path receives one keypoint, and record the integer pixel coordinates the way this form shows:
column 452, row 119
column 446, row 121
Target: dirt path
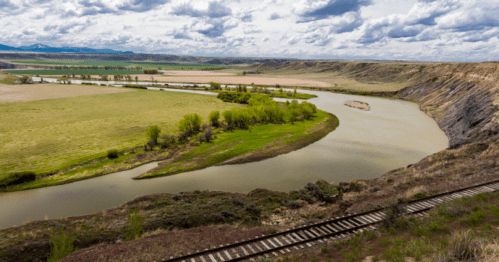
column 18, row 93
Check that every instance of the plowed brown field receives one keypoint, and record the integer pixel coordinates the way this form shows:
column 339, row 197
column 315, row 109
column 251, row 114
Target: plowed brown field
column 235, row 80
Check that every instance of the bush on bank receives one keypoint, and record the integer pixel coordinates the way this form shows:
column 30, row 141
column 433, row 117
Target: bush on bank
column 17, row 178
column 261, row 109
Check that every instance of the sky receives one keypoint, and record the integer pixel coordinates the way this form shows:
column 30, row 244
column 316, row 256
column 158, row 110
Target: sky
column 421, row 30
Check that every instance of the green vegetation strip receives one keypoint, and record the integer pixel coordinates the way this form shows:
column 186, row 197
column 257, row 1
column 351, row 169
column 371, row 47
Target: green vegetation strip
column 77, row 72
column 48, row 135
column 257, row 143
column 164, row 65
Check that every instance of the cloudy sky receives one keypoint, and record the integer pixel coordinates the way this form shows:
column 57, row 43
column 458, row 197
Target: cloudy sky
column 429, row 30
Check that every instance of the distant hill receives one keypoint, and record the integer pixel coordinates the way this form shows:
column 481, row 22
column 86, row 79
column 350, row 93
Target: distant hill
column 48, row 49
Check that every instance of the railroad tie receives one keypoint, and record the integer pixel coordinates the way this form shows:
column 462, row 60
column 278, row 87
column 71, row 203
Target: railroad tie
column 220, row 256
column 265, row 245
column 244, row 251
column 227, row 254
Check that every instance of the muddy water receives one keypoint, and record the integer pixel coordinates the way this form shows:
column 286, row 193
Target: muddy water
column 365, row 145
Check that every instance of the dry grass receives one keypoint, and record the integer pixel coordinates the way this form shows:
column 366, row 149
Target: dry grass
column 48, row 134
column 17, row 93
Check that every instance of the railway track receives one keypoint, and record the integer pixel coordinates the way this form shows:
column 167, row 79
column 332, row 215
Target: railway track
column 334, row 229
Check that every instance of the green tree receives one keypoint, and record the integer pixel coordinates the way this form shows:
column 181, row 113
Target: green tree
column 215, row 86
column 83, row 76
column 190, row 124
column 153, row 133
column 214, row 118
column 25, row 79
column 64, row 80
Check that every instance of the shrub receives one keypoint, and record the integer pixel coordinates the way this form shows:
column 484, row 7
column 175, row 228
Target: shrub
column 112, row 154
column 62, row 244
column 237, row 202
column 151, row 144
column 135, row 86
column 191, row 124
column 201, row 138
column 166, row 141
column 25, row 79
column 214, row 118
column 464, row 246
column 17, row 178
column 294, row 204
column 393, row 213
column 420, row 195
column 182, row 137
column 153, row 133
column 253, row 210
column 151, row 71
column 476, row 218
column 208, row 134
column 215, row 86
column 134, row 225
column 228, row 116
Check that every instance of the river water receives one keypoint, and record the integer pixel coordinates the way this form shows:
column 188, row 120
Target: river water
column 366, row 145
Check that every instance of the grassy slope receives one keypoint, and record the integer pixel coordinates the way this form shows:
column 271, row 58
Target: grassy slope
column 468, row 224
column 283, row 138
column 357, row 76
column 50, row 134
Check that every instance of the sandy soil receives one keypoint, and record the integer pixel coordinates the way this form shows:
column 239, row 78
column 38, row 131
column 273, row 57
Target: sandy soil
column 195, row 73
column 359, row 105
column 235, row 80
column 17, row 93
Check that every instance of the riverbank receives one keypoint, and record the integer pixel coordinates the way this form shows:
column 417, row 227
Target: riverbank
column 243, row 146
column 249, row 215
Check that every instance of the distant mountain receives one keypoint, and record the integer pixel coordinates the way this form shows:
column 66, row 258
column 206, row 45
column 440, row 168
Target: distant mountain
column 49, row 49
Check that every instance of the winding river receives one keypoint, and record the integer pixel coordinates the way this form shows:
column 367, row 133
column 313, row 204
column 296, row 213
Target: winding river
column 366, row 145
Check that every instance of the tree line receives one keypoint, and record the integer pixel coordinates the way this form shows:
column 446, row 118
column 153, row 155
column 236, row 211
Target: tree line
column 261, row 110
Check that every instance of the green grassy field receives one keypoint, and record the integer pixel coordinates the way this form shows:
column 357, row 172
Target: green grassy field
column 78, row 72
column 162, row 65
column 51, row 134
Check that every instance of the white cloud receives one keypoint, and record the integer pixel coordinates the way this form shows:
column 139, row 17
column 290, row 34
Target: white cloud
column 374, row 29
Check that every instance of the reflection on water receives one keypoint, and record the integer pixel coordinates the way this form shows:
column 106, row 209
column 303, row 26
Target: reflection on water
column 365, row 145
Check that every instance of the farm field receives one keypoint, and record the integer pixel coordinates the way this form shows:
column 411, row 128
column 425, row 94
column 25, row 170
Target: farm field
column 120, row 63
column 46, row 135
column 245, row 80
column 196, row 73
column 78, row 72
column 18, row 93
